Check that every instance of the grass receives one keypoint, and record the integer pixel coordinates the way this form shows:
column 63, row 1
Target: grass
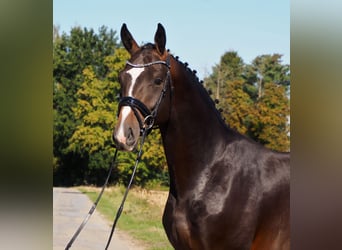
column 141, row 219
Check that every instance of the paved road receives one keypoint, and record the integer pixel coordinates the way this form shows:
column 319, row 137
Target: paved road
column 69, row 209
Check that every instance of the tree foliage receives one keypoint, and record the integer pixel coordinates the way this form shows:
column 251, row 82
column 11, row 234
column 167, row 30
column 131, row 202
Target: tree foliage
column 254, row 98
column 83, row 102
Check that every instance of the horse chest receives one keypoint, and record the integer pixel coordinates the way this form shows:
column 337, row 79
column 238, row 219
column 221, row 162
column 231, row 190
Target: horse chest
column 185, row 228
column 206, row 220
column 193, row 227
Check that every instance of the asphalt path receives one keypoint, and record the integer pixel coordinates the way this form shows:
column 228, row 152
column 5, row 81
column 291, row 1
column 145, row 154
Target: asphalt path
column 70, row 207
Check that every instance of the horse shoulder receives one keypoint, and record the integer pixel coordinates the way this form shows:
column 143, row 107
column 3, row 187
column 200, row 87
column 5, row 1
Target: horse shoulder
column 273, row 228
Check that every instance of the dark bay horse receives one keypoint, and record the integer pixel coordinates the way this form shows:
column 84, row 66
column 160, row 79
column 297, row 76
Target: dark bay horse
column 226, row 191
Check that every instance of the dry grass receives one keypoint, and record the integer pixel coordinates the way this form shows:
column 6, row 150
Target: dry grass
column 142, row 214
column 152, row 196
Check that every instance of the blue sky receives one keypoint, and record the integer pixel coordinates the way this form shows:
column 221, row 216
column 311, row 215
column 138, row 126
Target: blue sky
column 198, row 31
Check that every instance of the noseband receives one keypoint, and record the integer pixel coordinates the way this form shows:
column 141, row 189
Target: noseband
column 137, row 106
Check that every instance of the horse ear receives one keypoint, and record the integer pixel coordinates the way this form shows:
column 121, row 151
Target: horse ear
column 160, row 39
column 128, row 41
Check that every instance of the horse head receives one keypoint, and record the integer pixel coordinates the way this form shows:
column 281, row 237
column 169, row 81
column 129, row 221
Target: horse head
column 144, row 82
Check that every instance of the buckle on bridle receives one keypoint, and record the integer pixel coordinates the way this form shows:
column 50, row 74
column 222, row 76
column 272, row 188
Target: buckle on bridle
column 148, row 122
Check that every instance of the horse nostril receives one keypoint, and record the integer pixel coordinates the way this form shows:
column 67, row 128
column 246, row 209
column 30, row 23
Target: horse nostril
column 130, row 137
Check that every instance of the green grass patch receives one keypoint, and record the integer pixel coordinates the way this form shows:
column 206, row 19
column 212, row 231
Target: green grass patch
column 140, row 218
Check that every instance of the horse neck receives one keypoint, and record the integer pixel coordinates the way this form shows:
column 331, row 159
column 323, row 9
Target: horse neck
column 194, row 128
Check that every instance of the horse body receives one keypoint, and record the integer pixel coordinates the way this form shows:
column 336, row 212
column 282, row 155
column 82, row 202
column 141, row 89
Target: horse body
column 222, row 181
column 226, row 191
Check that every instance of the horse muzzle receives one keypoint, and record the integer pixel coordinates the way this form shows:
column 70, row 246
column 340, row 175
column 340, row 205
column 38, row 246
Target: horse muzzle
column 127, row 130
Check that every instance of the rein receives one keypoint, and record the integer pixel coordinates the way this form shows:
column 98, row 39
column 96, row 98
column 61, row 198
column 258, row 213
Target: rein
column 92, row 209
column 118, row 213
column 145, row 127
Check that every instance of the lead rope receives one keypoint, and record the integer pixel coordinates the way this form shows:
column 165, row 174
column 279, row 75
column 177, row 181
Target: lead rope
column 92, row 209
column 118, row 213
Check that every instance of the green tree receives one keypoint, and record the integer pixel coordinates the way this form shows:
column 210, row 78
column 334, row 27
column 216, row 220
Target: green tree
column 228, row 83
column 238, row 108
column 72, row 54
column 264, row 69
column 254, row 99
column 231, row 67
column 271, row 127
column 155, row 160
column 95, row 110
column 268, row 82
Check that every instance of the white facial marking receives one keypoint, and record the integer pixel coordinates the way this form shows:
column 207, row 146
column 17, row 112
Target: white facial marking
column 126, row 110
column 134, row 73
column 121, row 132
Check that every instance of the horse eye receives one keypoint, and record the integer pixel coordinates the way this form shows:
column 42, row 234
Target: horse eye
column 158, row 81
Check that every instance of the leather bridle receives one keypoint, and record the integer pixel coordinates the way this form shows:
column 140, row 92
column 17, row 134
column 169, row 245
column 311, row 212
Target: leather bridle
column 137, row 106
